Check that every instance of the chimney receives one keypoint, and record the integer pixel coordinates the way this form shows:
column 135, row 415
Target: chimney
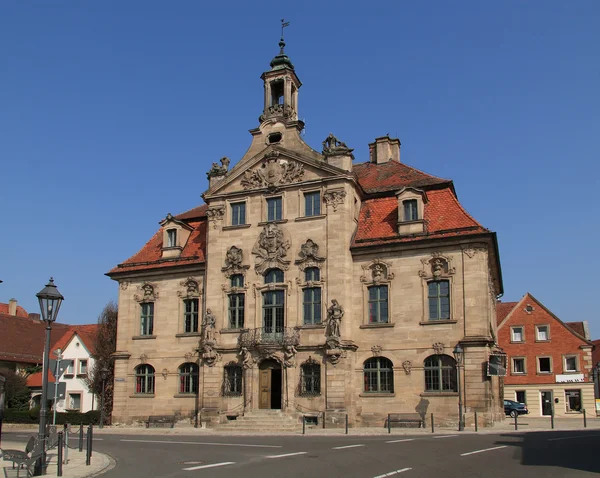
column 12, row 307
column 384, row 149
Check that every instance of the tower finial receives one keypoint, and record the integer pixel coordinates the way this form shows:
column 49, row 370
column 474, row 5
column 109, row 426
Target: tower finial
column 282, row 42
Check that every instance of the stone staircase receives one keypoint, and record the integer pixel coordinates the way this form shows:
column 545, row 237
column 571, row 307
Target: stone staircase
column 262, row 421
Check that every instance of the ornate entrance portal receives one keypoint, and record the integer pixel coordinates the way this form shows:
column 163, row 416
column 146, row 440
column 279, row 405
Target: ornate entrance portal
column 270, row 384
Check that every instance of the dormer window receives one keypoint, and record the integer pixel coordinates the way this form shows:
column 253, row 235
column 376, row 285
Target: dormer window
column 411, row 212
column 171, row 237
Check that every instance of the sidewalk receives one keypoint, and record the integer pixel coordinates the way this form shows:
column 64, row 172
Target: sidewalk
column 76, row 468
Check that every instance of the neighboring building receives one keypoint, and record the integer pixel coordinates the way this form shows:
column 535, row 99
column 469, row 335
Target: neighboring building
column 549, row 361
column 309, row 284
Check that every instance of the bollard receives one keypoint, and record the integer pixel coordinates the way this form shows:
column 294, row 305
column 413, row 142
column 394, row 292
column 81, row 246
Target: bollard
column 584, row 419
column 81, row 437
column 346, row 423
column 323, row 419
column 516, row 419
column 475, row 421
column 59, row 460
column 389, row 427
column 303, row 424
column 91, row 439
column 552, row 418
column 66, row 454
column 432, row 425
column 88, row 447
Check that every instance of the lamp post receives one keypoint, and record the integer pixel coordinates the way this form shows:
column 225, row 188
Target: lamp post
column 50, row 300
column 458, row 356
column 104, row 375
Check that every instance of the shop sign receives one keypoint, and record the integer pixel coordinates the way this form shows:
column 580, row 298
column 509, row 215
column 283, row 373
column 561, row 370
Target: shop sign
column 570, row 378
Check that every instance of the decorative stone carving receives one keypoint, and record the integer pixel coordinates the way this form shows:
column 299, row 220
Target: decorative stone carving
column 334, row 147
column 471, row 251
column 143, row 358
column 279, row 111
column 149, row 293
column 309, row 255
column 215, row 214
column 334, row 198
column 188, row 356
column 124, row 284
column 529, row 309
column 334, row 350
column 289, row 355
column 218, row 171
column 376, row 349
column 378, row 271
column 334, row 319
column 233, row 262
column 407, row 366
column 270, row 249
column 268, row 353
column 438, row 348
column 273, row 173
column 192, row 288
column 247, row 360
column 436, row 267
column 165, row 373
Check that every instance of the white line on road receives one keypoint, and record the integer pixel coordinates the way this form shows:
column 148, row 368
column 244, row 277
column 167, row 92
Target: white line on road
column 209, row 466
column 99, row 439
column 481, row 451
column 288, row 454
column 393, row 472
column 446, row 436
column 572, row 438
column 399, row 441
column 347, row 446
column 202, row 443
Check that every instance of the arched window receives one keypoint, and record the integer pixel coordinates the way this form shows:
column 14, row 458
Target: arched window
column 273, row 276
column 310, row 379
column 237, row 280
column 232, row 380
column 144, row 379
column 379, row 375
column 312, row 297
column 440, row 374
column 188, row 378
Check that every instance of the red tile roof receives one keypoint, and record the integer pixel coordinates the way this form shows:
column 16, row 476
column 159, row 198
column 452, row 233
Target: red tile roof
column 391, row 176
column 577, row 327
column 443, row 215
column 503, row 309
column 196, row 213
column 35, row 379
column 86, row 333
column 21, row 312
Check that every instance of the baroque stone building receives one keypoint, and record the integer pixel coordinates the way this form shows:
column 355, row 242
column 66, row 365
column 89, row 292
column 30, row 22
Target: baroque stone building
column 309, row 284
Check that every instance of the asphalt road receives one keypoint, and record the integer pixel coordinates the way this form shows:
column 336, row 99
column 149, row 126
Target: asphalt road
column 539, row 454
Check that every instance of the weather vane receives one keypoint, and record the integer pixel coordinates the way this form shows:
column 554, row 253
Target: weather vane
column 283, row 25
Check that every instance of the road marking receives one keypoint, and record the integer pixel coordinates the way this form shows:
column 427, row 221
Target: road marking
column 209, row 466
column 481, row 451
column 399, row 441
column 446, row 436
column 288, row 454
column 393, row 473
column 571, row 438
column 202, row 443
column 99, row 439
column 347, row 446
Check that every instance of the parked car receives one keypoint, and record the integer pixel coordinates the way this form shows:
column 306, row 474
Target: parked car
column 513, row 408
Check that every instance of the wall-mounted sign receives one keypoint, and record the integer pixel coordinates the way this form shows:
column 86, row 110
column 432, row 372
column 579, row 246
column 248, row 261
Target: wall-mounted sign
column 119, row 379
column 570, row 378
column 496, row 365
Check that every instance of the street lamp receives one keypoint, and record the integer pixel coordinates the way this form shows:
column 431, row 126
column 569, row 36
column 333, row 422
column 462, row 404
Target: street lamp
column 459, row 354
column 103, row 375
column 50, row 300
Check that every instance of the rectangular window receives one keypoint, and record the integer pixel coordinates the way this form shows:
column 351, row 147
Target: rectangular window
column 312, row 204
column 190, row 319
column 147, row 318
column 312, row 305
column 232, row 382
column 83, row 367
column 274, row 209
column 378, row 304
column 542, row 332
column 521, row 397
column 310, row 380
column 411, row 212
column 69, row 370
column 518, row 365
column 273, row 312
column 238, row 213
column 171, row 237
column 544, row 365
column 516, row 334
column 439, row 300
column 236, row 311
column 573, row 400
column 571, row 363
column 74, row 401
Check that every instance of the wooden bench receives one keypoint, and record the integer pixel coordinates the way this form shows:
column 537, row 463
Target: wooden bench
column 160, row 421
column 24, row 459
column 405, row 420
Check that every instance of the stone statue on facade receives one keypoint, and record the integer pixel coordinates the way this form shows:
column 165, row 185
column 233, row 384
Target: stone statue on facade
column 334, row 319
column 333, row 146
column 209, row 324
column 246, row 358
column 289, row 355
column 216, row 170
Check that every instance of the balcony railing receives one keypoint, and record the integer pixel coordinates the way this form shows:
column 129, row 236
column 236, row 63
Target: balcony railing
column 277, row 336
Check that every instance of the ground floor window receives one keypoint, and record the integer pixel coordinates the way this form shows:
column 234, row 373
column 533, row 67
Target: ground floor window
column 521, row 397
column 232, row 381
column 74, row 401
column 573, row 400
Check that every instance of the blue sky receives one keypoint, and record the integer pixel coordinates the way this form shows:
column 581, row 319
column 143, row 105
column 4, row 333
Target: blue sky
column 112, row 112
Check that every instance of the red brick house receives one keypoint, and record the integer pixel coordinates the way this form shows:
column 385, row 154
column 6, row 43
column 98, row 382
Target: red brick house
column 549, row 361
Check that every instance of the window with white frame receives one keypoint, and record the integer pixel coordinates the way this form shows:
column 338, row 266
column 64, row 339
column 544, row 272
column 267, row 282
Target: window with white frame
column 571, row 363
column 518, row 365
column 83, row 367
column 69, row 370
column 74, row 401
column 517, row 334
column 411, row 211
column 544, row 365
column 573, row 400
column 542, row 333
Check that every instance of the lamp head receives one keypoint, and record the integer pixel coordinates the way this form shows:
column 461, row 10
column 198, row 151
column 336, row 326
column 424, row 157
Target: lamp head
column 50, row 300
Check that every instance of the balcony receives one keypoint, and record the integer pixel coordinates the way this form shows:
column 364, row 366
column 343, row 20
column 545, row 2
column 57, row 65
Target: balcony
column 269, row 336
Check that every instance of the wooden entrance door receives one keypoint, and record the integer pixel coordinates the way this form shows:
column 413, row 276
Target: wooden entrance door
column 265, row 388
